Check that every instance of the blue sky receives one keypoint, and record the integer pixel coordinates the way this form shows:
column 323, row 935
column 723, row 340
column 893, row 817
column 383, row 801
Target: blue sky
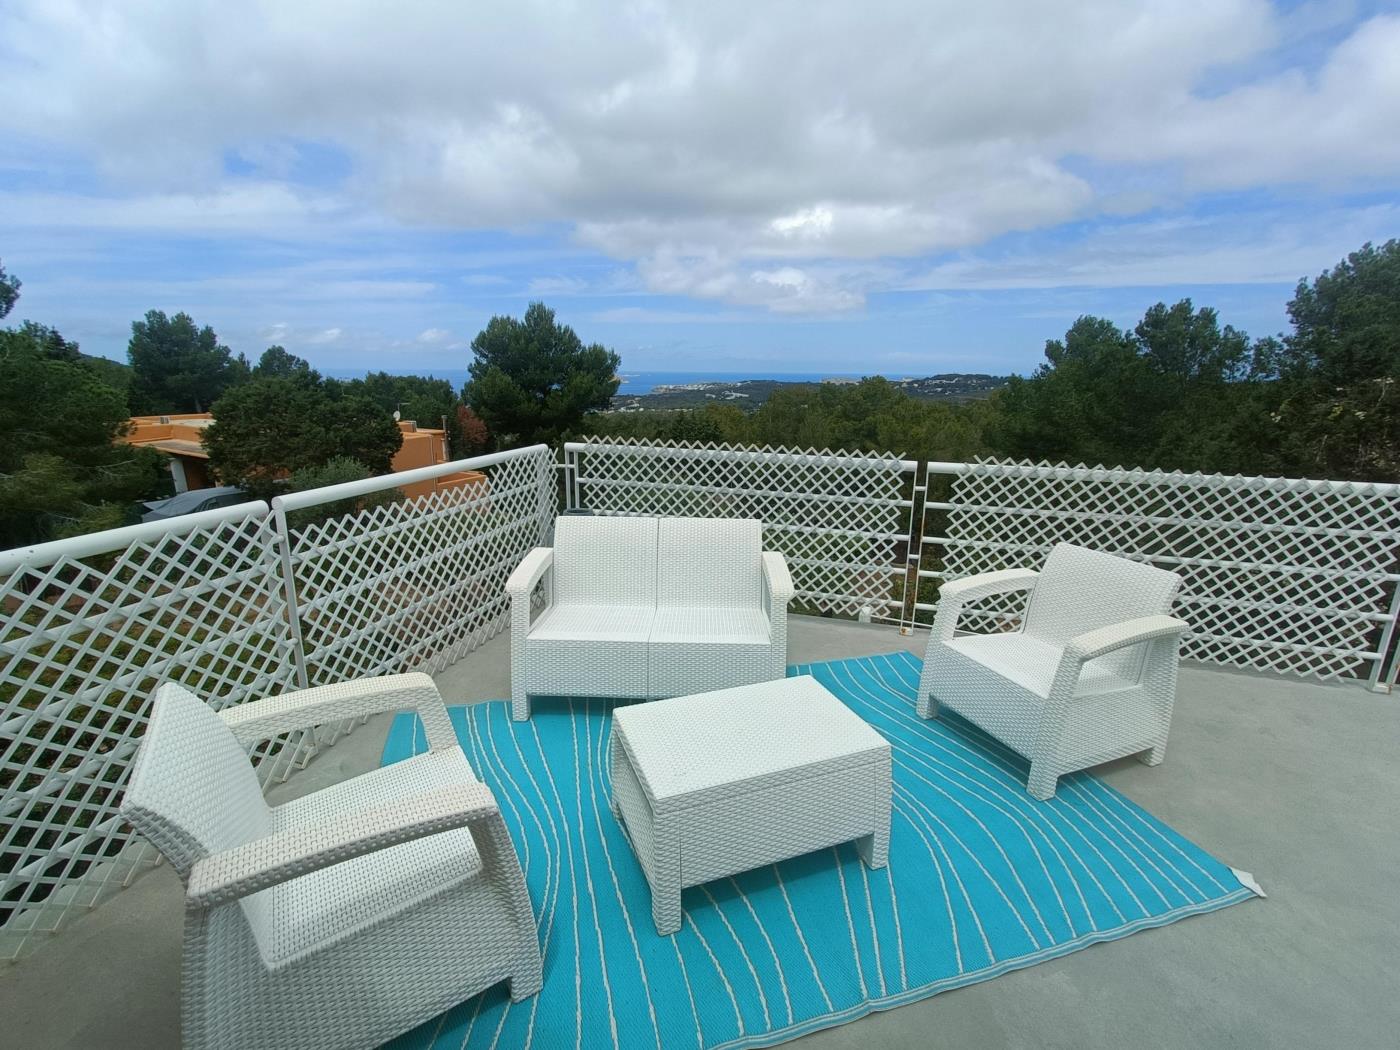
column 905, row 188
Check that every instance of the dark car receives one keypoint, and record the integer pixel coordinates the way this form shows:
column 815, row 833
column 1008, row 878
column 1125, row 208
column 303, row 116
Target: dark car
column 194, row 500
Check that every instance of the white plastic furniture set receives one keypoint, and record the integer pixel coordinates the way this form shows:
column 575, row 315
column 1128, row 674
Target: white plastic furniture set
column 640, row 608
column 1090, row 676
column 356, row 912
column 706, row 790
column 349, row 915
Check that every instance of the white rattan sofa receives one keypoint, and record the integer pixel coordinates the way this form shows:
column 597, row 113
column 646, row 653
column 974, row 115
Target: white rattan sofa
column 349, row 915
column 644, row 608
column 1089, row 677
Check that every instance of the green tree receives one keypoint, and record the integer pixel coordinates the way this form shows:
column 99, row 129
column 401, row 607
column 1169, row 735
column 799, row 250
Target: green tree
column 1335, row 412
column 1346, row 322
column 177, row 366
column 1189, row 346
column 62, row 471
column 534, row 380
column 268, row 428
column 9, row 292
column 276, row 361
column 1179, row 391
column 335, row 471
column 428, row 401
column 1093, row 400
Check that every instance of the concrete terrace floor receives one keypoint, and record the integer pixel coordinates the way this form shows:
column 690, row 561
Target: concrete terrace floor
column 1296, row 782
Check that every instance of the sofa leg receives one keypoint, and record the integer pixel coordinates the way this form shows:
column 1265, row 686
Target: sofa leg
column 527, row 982
column 520, row 708
column 927, row 706
column 1041, row 783
column 1153, row 756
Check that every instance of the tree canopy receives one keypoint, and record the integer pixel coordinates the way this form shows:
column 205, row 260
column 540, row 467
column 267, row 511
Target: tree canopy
column 336, row 471
column 177, row 366
column 534, row 379
column 276, row 361
column 1169, row 393
column 61, row 472
column 271, row 426
column 9, row 292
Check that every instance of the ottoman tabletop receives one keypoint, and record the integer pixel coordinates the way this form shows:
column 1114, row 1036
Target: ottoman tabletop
column 687, row 747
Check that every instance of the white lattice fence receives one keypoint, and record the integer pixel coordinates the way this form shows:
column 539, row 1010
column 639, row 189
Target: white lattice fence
column 414, row 585
column 90, row 627
column 841, row 519
column 1280, row 575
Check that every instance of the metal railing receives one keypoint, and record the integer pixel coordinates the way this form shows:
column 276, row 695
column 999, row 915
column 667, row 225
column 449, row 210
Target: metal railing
column 1290, row 576
column 235, row 604
column 1283, row 575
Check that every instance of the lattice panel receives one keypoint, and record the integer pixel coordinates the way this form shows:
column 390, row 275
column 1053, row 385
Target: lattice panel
column 413, row 586
column 1280, row 575
column 86, row 640
column 840, row 518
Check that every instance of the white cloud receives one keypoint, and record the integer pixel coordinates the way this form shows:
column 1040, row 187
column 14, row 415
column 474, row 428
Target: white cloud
column 1279, row 246
column 784, row 156
column 434, row 336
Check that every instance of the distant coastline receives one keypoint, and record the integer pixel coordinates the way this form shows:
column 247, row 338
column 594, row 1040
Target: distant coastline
column 636, row 382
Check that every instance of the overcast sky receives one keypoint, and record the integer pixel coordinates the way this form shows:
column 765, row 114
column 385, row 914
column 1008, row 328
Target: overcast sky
column 853, row 187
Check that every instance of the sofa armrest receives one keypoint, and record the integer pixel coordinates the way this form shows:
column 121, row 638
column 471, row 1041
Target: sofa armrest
column 1090, row 645
column 529, row 572
column 303, row 708
column 777, row 581
column 237, row 872
column 955, row 594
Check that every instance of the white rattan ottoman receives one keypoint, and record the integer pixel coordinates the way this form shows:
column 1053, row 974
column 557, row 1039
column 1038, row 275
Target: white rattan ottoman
column 718, row 783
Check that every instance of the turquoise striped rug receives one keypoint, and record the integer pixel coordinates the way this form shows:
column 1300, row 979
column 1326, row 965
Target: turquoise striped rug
column 982, row 879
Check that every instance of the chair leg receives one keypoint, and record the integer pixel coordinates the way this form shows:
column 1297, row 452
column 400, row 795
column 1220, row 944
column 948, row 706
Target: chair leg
column 520, row 707
column 927, row 706
column 1041, row 783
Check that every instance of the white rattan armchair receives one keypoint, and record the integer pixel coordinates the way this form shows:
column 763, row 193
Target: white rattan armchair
column 1089, row 677
column 344, row 917
column 641, row 608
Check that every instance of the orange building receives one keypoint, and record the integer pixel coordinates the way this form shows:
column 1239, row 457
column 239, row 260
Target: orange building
column 179, row 437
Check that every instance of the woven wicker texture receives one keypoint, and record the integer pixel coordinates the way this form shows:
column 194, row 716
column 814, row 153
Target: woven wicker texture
column 1089, row 677
column 838, row 518
column 704, row 607
column 709, row 563
column 705, row 793
column 1278, row 575
column 342, row 918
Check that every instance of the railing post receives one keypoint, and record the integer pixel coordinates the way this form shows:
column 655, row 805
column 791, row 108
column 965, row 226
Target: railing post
column 1387, row 684
column 915, row 548
column 289, row 590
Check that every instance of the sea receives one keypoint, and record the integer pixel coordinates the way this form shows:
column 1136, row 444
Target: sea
column 642, row 382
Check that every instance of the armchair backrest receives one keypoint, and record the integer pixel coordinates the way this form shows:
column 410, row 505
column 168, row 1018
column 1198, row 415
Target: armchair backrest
column 1081, row 590
column 602, row 560
column 710, row 562
column 193, row 790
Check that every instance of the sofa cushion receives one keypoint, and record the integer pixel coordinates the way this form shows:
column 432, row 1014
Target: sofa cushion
column 709, row 563
column 695, row 626
column 605, row 560
column 569, row 621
